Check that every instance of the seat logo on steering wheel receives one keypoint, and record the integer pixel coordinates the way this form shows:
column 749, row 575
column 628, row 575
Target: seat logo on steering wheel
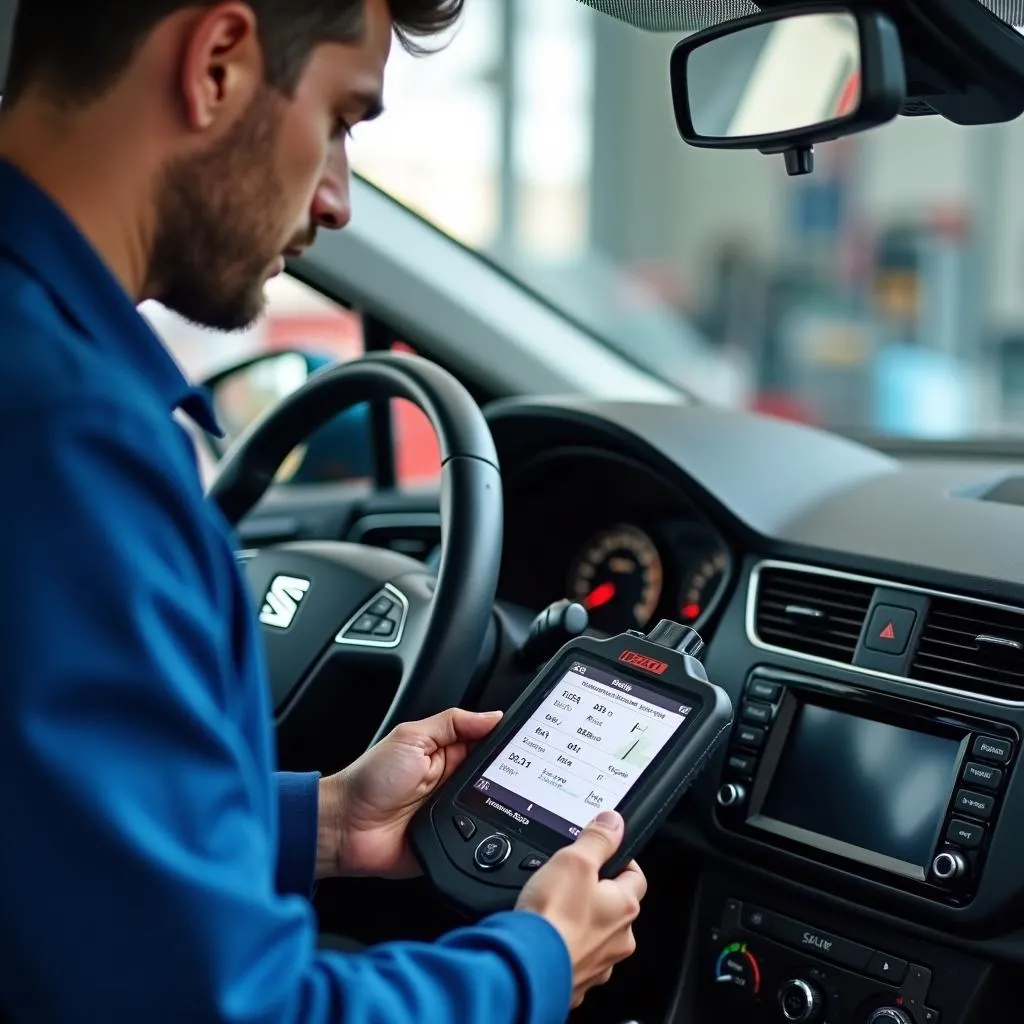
column 281, row 602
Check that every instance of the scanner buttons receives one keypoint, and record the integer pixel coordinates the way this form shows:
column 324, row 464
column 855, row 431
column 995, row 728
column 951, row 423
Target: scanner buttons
column 492, row 852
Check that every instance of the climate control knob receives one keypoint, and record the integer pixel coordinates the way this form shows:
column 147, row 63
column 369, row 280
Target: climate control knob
column 890, row 1015
column 732, row 794
column 949, row 866
column 801, row 1002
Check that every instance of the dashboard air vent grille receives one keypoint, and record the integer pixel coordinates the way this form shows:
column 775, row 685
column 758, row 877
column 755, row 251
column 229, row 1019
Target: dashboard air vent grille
column 810, row 613
column 972, row 647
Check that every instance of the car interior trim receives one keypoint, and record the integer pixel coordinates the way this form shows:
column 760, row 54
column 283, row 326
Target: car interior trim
column 756, row 641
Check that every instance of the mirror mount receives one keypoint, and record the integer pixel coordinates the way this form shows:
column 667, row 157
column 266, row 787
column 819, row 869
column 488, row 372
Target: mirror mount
column 799, row 159
column 787, row 79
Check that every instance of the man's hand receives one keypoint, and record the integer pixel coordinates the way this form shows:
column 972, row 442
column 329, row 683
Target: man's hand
column 593, row 915
column 365, row 809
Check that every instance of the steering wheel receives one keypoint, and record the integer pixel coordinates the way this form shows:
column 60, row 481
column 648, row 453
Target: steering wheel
column 339, row 605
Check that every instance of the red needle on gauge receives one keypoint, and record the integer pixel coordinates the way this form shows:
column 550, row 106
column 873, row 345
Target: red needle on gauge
column 600, row 595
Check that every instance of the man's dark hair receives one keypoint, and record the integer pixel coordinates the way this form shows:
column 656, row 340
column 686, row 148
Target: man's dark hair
column 77, row 49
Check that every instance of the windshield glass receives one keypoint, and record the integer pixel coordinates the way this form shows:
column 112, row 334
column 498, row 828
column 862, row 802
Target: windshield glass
column 880, row 295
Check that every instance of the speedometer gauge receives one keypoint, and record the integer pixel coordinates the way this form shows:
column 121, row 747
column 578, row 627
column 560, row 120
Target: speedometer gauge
column 701, row 586
column 618, row 579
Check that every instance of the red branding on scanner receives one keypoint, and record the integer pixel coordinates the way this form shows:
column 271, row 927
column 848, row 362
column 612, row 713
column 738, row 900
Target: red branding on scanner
column 642, row 661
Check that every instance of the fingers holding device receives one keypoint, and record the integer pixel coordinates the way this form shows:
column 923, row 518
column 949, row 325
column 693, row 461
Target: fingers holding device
column 594, row 915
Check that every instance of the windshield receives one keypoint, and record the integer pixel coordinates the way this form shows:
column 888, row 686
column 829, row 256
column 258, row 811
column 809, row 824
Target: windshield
column 881, row 295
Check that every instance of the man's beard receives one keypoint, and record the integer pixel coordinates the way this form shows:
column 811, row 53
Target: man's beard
column 216, row 230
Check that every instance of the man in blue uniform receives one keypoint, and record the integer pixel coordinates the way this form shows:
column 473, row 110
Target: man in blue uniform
column 152, row 865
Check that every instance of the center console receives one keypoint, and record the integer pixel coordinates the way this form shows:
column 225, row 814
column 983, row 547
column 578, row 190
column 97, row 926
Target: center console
column 914, row 807
column 766, row 957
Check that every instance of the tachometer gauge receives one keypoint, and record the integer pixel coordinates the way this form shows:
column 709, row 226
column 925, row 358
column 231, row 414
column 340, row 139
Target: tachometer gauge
column 701, row 586
column 618, row 579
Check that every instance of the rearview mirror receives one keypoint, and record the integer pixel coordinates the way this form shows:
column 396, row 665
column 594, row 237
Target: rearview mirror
column 784, row 80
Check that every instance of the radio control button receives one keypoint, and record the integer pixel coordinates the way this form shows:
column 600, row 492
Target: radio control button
column 750, row 736
column 492, row 852
column 531, row 862
column 978, row 805
column 982, row 775
column 801, row 1002
column 761, row 689
column 759, row 714
column 965, row 834
column 741, row 765
column 732, row 794
column 801, row 936
column 890, row 1015
column 992, row 748
column 464, row 825
column 889, row 630
column 888, row 968
column 949, row 866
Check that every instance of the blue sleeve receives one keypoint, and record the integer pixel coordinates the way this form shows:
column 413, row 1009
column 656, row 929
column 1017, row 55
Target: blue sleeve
column 297, row 814
column 139, row 854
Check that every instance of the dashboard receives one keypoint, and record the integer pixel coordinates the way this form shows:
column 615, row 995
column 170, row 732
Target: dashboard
column 862, row 836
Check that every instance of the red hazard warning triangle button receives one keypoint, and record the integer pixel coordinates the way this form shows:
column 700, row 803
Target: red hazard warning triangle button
column 890, row 629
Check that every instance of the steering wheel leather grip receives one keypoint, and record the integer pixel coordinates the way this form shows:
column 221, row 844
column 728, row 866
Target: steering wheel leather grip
column 446, row 619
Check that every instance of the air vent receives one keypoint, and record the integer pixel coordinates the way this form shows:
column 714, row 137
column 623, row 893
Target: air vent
column 811, row 613
column 972, row 647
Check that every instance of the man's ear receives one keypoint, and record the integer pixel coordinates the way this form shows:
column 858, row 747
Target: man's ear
column 222, row 66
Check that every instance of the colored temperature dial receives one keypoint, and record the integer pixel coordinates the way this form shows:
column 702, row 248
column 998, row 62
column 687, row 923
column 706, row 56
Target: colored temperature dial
column 738, row 968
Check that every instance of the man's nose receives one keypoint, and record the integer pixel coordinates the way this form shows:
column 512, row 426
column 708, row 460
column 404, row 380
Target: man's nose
column 332, row 208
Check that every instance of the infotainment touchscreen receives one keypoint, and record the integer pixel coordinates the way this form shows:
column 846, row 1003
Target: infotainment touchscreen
column 581, row 751
column 844, row 781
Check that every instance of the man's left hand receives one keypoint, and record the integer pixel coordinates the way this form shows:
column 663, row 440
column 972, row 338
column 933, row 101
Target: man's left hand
column 365, row 809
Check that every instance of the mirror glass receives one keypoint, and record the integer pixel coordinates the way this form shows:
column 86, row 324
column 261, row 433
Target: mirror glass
column 342, row 449
column 245, row 394
column 788, row 75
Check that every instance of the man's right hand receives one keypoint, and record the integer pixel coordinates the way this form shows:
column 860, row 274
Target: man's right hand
column 593, row 915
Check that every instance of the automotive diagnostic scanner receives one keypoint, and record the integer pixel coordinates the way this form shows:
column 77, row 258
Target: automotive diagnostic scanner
column 620, row 724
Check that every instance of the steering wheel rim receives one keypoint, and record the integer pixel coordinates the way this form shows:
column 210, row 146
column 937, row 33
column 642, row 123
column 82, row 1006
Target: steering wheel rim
column 445, row 619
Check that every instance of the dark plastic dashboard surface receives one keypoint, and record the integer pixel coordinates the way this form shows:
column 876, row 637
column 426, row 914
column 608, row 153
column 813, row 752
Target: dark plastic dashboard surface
column 819, row 495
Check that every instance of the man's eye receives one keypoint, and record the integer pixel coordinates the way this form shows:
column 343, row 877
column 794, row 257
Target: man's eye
column 341, row 129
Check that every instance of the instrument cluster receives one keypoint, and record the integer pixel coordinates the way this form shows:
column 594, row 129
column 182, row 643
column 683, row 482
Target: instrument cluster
column 613, row 535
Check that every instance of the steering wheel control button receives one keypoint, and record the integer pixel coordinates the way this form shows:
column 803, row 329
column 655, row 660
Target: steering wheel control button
column 761, row 689
column 750, row 736
column 363, row 626
column 758, row 714
column 992, row 748
column 982, row 776
column 890, row 628
column 965, row 834
column 977, row 805
column 531, row 862
column 492, row 853
column 378, row 623
column 464, row 825
column 887, row 968
column 381, row 606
